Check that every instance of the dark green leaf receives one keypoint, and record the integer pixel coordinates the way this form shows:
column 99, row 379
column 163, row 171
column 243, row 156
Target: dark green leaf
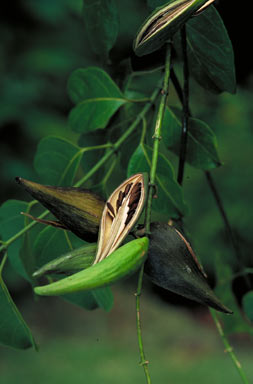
column 210, row 52
column 52, row 243
column 57, row 161
column 90, row 157
column 201, row 144
column 104, row 298
column 170, row 197
column 247, row 303
column 156, row 3
column 97, row 98
column 85, row 300
column 14, row 332
column 11, row 223
column 102, row 24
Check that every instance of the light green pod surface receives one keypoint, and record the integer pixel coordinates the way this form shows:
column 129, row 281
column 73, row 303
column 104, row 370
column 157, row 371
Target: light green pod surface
column 71, row 262
column 124, row 261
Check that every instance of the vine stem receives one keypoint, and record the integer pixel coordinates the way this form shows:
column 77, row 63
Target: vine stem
column 185, row 103
column 157, row 138
column 109, row 153
column 143, row 362
column 228, row 347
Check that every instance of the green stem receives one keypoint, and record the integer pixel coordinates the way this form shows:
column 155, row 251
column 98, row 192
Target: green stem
column 93, row 170
column 157, row 137
column 228, row 347
column 185, row 102
column 143, row 362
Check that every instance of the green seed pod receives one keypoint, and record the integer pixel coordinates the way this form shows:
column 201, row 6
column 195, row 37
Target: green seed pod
column 172, row 265
column 71, row 262
column 78, row 210
column 161, row 25
column 121, row 263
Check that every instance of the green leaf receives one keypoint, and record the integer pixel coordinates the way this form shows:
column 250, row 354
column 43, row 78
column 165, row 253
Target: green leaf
column 247, row 304
column 52, row 243
column 210, row 52
column 104, row 298
column 90, row 157
column 11, row 223
column 102, row 24
column 14, row 332
column 170, row 197
column 85, row 300
column 57, row 160
column 201, row 144
column 156, row 3
column 97, row 98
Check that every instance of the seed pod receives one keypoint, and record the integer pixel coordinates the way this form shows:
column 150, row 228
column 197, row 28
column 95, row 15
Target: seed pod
column 121, row 212
column 121, row 263
column 78, row 210
column 161, row 25
column 172, row 265
column 71, row 262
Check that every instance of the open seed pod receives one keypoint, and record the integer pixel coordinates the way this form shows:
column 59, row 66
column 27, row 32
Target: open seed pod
column 121, row 212
column 161, row 25
column 78, row 210
column 172, row 265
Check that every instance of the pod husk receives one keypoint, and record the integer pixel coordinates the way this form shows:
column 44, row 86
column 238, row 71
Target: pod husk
column 78, row 209
column 171, row 264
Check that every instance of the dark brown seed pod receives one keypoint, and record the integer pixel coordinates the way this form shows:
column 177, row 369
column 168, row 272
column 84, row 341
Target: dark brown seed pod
column 78, row 210
column 172, row 265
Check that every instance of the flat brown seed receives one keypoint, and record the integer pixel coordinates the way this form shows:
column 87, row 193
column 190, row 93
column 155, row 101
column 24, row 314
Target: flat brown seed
column 110, row 207
column 127, row 189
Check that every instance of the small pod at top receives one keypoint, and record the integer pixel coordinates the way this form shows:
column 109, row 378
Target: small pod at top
column 172, row 264
column 161, row 25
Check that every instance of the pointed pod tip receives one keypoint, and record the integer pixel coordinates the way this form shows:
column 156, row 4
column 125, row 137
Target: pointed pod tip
column 18, row 179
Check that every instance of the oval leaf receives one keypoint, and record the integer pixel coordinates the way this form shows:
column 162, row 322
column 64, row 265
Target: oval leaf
column 14, row 332
column 97, row 98
column 102, row 24
column 201, row 144
column 57, row 160
column 210, row 52
column 247, row 303
column 11, row 223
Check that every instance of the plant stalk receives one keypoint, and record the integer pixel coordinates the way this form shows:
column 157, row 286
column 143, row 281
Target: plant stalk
column 185, row 103
column 143, row 362
column 157, row 136
column 228, row 347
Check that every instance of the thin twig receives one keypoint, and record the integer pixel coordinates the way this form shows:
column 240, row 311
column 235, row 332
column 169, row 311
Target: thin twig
column 157, row 136
column 143, row 362
column 185, row 102
column 228, row 347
